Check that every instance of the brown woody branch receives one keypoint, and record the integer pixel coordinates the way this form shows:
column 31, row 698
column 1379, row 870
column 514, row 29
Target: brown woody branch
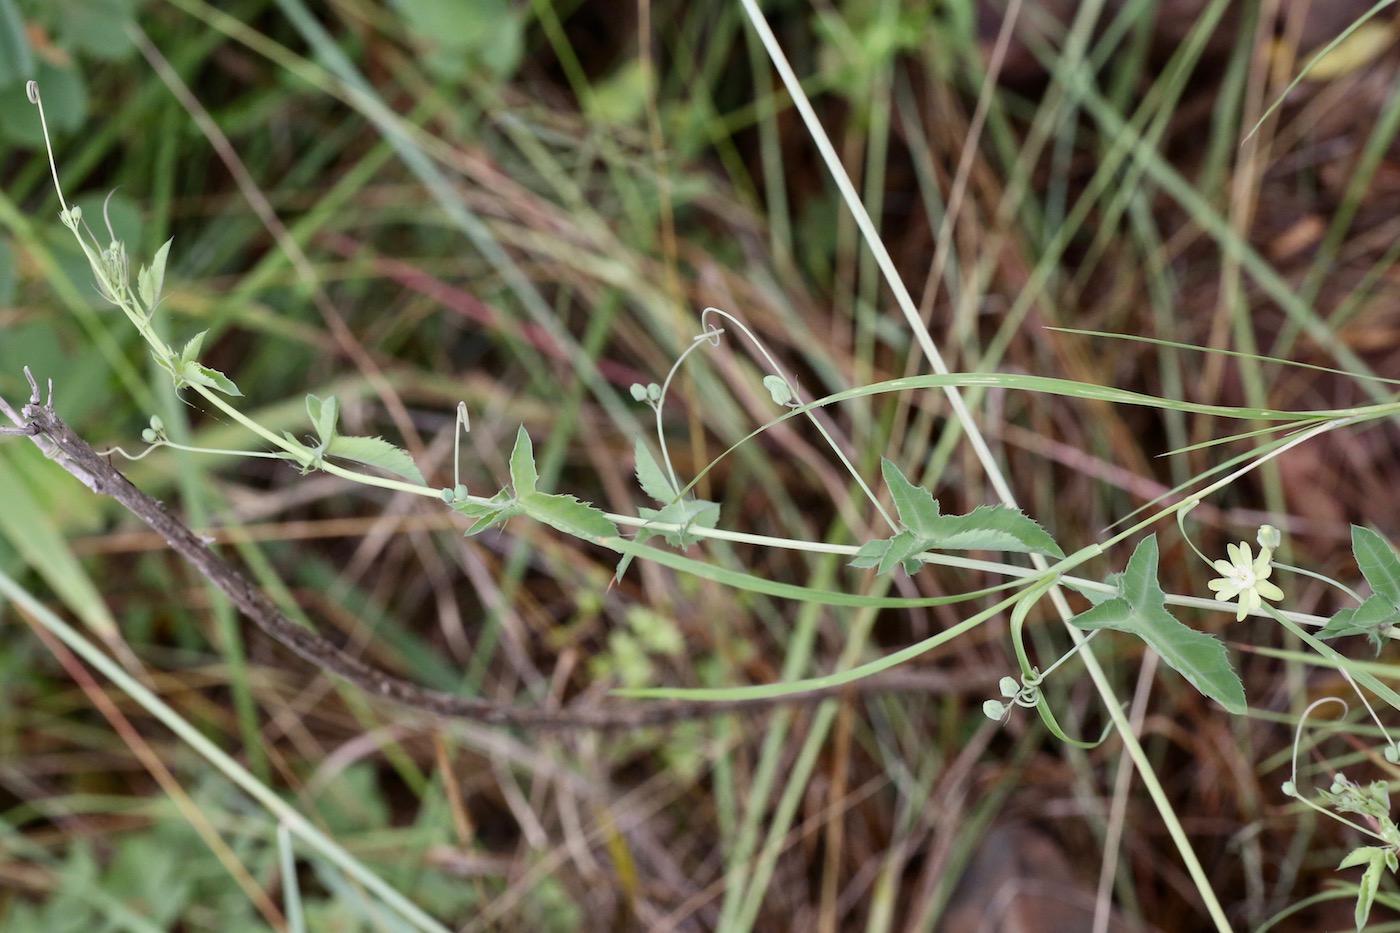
column 59, row 442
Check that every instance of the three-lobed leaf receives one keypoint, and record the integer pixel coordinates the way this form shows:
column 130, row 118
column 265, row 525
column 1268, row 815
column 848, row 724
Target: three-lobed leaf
column 1376, row 859
column 925, row 528
column 1373, row 618
column 566, row 513
column 1140, row 609
column 1381, row 568
column 675, row 510
column 369, row 451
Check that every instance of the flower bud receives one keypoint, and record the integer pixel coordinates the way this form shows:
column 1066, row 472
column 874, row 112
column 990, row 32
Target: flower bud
column 1269, row 537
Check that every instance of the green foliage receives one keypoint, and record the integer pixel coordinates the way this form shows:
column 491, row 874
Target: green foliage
column 986, row 528
column 621, row 99
column 375, row 452
column 369, row 451
column 31, row 523
column 1372, row 804
column 484, row 38
column 88, row 27
column 488, row 513
column 16, row 58
column 524, row 478
column 1375, row 617
column 632, row 652
column 150, row 280
column 189, row 371
column 154, row 877
column 685, row 512
column 353, row 802
column 1140, row 609
column 66, row 31
column 569, row 515
column 1377, row 859
column 678, row 510
column 65, row 98
column 651, row 477
column 466, row 52
column 566, row 513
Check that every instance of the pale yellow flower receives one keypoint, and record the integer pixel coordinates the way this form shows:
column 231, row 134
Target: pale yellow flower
column 1246, row 578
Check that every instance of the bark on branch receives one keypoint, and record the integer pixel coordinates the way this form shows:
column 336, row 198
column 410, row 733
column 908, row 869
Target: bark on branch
column 40, row 423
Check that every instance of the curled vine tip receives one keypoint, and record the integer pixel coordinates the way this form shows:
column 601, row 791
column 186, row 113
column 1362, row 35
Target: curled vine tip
column 31, row 90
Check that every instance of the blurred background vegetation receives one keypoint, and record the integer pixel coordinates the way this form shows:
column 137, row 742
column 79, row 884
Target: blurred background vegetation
column 525, row 205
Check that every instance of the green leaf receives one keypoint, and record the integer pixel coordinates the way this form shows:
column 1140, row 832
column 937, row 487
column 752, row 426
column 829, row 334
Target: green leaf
column 325, row 415
column 994, row 528
column 1378, row 563
column 653, row 479
column 523, row 475
column 686, row 513
column 1373, row 618
column 191, row 351
column 16, row 57
column 571, row 516
column 676, row 511
column 985, row 528
column 150, row 281
column 199, row 374
column 1373, row 857
column 98, row 27
column 917, row 507
column 458, row 40
column 1140, row 609
column 1376, row 615
column 495, row 511
column 375, row 452
column 192, row 372
column 308, row 458
column 888, row 553
column 619, row 99
column 65, row 105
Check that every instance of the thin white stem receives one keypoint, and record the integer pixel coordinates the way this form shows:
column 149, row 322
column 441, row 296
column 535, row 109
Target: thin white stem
column 32, row 89
column 809, row 414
